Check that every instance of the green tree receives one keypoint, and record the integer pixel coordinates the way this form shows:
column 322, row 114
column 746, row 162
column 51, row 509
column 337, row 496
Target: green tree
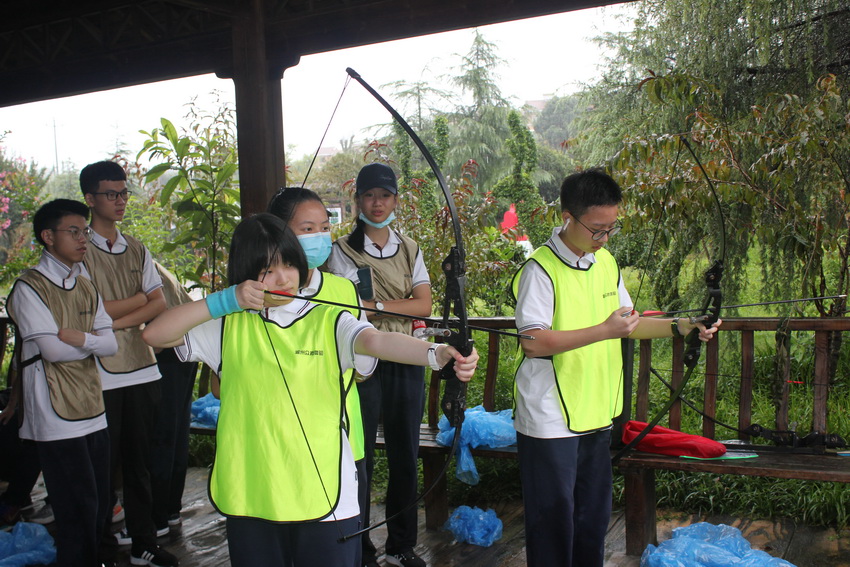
column 554, row 123
column 518, row 187
column 747, row 48
column 199, row 168
column 479, row 126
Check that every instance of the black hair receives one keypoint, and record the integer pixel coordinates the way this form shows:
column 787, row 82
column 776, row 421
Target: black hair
column 590, row 188
column 50, row 215
column 287, row 199
column 94, row 173
column 259, row 242
column 357, row 238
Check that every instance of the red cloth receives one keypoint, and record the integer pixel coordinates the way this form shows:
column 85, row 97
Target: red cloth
column 666, row 441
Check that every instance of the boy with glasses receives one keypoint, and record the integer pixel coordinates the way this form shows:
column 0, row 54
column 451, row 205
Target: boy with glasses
column 570, row 297
column 63, row 325
column 123, row 272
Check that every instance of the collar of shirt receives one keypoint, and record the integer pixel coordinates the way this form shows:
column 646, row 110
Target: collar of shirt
column 567, row 255
column 286, row 314
column 313, row 286
column 388, row 249
column 118, row 246
column 57, row 272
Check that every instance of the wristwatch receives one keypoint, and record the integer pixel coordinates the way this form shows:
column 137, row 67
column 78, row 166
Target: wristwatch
column 432, row 358
column 674, row 326
column 379, row 306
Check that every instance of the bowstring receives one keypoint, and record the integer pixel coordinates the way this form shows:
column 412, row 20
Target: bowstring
column 327, row 129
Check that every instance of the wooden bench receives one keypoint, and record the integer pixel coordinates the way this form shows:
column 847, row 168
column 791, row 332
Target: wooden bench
column 817, row 464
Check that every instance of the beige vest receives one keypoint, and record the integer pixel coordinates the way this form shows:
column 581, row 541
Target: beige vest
column 174, row 292
column 74, row 385
column 392, row 278
column 118, row 276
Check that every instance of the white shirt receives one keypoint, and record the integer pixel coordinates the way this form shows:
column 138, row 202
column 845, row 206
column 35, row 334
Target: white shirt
column 203, row 344
column 340, row 264
column 150, row 282
column 39, row 332
column 538, row 407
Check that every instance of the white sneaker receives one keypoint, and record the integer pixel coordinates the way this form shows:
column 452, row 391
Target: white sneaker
column 117, row 512
column 123, row 537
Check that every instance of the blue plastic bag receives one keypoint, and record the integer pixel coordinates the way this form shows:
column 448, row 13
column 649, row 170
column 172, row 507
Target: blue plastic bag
column 475, row 526
column 708, row 545
column 480, row 429
column 205, row 411
column 26, row 544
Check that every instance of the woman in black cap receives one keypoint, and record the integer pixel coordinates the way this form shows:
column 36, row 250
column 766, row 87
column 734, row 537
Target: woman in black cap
column 391, row 275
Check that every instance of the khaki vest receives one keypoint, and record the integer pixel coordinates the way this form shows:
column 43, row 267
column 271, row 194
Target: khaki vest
column 279, row 436
column 392, row 278
column 341, row 290
column 74, row 385
column 118, row 276
column 589, row 379
column 174, row 292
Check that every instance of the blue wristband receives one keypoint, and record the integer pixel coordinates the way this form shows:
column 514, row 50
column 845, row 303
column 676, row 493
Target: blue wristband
column 223, row 302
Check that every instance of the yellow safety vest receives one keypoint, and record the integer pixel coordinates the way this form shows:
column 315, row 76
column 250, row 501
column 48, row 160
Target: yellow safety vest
column 342, row 290
column 279, row 436
column 589, row 379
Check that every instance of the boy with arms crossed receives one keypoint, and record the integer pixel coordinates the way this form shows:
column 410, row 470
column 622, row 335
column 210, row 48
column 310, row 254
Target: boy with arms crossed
column 63, row 323
column 124, row 274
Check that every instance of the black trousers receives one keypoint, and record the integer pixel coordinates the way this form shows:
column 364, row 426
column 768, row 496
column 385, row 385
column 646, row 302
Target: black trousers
column 130, row 412
column 566, row 490
column 257, row 543
column 19, row 466
column 76, row 474
column 396, row 394
column 170, row 444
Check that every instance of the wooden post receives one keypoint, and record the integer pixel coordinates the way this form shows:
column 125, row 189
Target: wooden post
column 259, row 111
column 640, row 509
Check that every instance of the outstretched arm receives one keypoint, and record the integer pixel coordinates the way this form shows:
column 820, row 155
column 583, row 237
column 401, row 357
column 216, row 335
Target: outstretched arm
column 408, row 350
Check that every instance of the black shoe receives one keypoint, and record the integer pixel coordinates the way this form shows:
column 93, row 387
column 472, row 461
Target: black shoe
column 154, row 557
column 371, row 562
column 406, row 558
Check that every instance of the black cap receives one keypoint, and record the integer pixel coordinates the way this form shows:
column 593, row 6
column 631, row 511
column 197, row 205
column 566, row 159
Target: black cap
column 376, row 175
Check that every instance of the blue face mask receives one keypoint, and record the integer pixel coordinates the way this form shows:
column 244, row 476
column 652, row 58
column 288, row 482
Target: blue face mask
column 382, row 224
column 317, row 247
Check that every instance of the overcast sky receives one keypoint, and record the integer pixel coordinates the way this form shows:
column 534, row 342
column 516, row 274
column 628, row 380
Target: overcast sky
column 544, row 57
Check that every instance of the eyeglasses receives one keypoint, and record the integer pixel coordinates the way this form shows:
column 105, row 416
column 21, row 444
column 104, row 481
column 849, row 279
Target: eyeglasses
column 112, row 195
column 75, row 232
column 600, row 234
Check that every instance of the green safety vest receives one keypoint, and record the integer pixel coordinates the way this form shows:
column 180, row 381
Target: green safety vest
column 266, row 466
column 342, row 290
column 589, row 379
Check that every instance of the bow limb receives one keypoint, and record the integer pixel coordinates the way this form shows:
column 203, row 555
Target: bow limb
column 710, row 313
column 453, row 402
column 454, row 268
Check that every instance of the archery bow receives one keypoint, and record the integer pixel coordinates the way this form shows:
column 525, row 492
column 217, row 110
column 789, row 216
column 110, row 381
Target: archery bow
column 453, row 402
column 709, row 314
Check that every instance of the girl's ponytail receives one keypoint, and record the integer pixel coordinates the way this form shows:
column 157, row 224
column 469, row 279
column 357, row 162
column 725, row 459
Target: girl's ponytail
column 357, row 238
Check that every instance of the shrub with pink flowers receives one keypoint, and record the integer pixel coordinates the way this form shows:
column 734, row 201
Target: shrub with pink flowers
column 21, row 183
